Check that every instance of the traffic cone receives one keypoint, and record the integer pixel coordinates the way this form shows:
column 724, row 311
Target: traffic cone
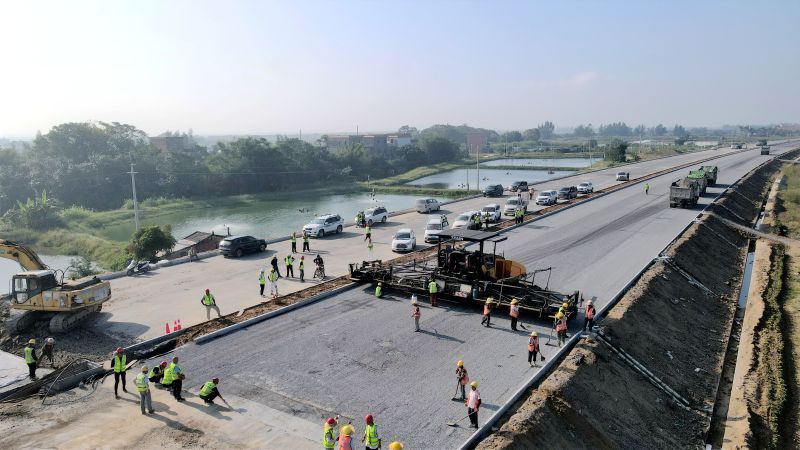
column 180, row 327
column 166, row 328
column 174, row 325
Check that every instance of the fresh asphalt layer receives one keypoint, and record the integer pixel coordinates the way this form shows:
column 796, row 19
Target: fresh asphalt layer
column 352, row 354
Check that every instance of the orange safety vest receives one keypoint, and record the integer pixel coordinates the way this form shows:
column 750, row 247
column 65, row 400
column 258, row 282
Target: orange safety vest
column 514, row 311
column 533, row 344
column 561, row 325
column 344, row 442
column 590, row 312
column 486, row 310
column 472, row 399
column 415, row 312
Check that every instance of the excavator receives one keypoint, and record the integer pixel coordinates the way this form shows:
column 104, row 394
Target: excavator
column 43, row 295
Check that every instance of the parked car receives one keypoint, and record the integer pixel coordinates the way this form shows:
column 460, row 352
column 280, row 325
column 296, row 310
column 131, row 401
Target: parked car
column 325, row 224
column 623, row 176
column 493, row 190
column 585, row 188
column 521, row 186
column 513, row 204
column 426, row 205
column 404, row 240
column 465, row 220
column 239, row 245
column 432, row 230
column 375, row 215
column 567, row 192
column 491, row 212
column 547, row 198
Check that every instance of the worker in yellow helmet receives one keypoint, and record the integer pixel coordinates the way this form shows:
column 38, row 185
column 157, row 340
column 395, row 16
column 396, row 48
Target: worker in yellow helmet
column 487, row 312
column 462, row 378
column 346, row 437
column 473, row 403
column 563, row 308
column 30, row 358
column 561, row 328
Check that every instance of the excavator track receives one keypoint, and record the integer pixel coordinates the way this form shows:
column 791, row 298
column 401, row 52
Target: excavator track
column 63, row 322
column 21, row 323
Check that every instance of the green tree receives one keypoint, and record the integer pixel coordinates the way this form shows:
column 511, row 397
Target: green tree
column 679, row 132
column 639, row 130
column 149, row 240
column 409, row 130
column 38, row 213
column 439, row 149
column 511, row 136
column 531, row 134
column 584, row 131
column 615, row 150
column 659, row 130
column 81, row 267
column 546, row 130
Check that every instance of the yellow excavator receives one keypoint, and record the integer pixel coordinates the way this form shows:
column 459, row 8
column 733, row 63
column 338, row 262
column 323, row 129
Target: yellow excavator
column 44, row 296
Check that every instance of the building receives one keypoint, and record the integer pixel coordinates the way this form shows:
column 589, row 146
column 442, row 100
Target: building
column 199, row 241
column 477, row 140
column 172, row 144
column 399, row 140
column 374, row 144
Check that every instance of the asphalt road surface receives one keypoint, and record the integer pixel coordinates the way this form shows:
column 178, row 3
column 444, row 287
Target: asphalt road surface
column 141, row 305
column 353, row 354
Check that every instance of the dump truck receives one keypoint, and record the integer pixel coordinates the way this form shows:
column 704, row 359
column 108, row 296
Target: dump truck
column 43, row 294
column 466, row 272
column 711, row 174
column 761, row 142
column 684, row 193
column 700, row 176
column 765, row 149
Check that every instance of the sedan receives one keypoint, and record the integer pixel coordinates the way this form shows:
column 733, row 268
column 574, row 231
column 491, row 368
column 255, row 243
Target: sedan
column 404, row 240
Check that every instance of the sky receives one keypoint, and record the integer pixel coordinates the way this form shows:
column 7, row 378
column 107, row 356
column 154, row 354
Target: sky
column 238, row 67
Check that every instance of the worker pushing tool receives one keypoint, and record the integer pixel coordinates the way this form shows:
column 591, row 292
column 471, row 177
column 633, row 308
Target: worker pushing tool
column 119, row 364
column 143, row 386
column 513, row 312
column 30, row 358
column 462, row 379
column 473, row 403
column 210, row 303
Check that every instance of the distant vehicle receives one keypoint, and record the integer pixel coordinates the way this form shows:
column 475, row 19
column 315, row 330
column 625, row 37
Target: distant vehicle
column 375, row 215
column 711, row 174
column 762, row 142
column 547, row 198
column 325, row 224
column 513, row 204
column 519, row 186
column 700, row 177
column 736, row 146
column 765, row 150
column 426, row 205
column 684, row 193
column 493, row 190
column 466, row 220
column 239, row 245
column 432, row 230
column 567, row 192
column 623, row 176
column 491, row 212
column 404, row 240
column 585, row 188
column 137, row 267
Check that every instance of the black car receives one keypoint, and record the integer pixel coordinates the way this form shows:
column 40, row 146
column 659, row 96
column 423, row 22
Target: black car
column 239, row 245
column 493, row 190
column 519, row 186
column 567, row 192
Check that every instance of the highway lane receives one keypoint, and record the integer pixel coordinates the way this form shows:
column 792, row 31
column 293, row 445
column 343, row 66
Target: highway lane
column 141, row 305
column 353, row 354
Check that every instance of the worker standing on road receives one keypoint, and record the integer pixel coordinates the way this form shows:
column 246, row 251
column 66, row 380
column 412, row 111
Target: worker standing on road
column 306, row 247
column 378, row 290
column 415, row 312
column 345, row 437
column 513, row 311
column 433, row 291
column 143, row 386
column 588, row 318
column 561, row 328
column 302, row 268
column 533, row 348
column 209, row 391
column 289, row 260
column 487, row 312
column 47, row 350
column 173, row 378
column 274, row 264
column 262, row 281
column 273, row 282
column 118, row 363
column 369, row 248
column 294, row 242
column 30, row 358
column 328, row 438
column 367, row 233
column 477, row 222
column 462, row 378
column 473, row 404
column 371, row 439
column 646, row 188
column 156, row 374
column 210, row 303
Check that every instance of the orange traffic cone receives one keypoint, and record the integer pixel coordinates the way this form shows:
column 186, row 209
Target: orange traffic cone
column 166, row 328
column 180, row 327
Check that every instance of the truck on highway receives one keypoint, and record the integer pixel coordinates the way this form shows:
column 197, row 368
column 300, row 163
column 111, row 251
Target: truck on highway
column 700, row 177
column 684, row 193
column 761, row 142
column 765, row 149
column 711, row 174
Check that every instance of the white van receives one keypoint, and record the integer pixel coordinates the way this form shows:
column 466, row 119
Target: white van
column 426, row 205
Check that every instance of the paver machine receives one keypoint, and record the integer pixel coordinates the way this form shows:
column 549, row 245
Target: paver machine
column 465, row 270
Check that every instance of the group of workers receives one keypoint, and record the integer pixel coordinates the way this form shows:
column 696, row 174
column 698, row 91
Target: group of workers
column 472, row 400
column 293, row 240
column 32, row 360
column 344, row 439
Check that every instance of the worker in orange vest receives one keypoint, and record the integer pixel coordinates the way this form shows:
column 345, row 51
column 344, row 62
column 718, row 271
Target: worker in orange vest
column 473, row 404
column 513, row 311
column 346, row 437
column 487, row 312
column 588, row 318
column 533, row 349
column 561, row 328
column 415, row 312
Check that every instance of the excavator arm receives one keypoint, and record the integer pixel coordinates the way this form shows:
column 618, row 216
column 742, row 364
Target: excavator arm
column 26, row 257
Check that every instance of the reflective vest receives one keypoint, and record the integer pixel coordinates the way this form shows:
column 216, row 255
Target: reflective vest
column 207, row 388
column 562, row 310
column 369, row 245
column 288, row 260
column 514, row 311
column 294, row 238
column 533, row 344
column 119, row 363
column 154, row 372
column 262, row 280
column 273, row 276
column 344, row 442
column 377, row 291
column 141, row 382
column 371, row 436
column 472, row 399
column 169, row 374
column 208, row 299
column 327, row 437
column 367, row 229
column 302, row 265
column 561, row 325
column 416, row 313
column 590, row 312
column 29, row 359
column 305, row 238
column 433, row 287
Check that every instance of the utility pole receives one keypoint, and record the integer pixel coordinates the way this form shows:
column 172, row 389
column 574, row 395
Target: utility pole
column 478, row 165
column 135, row 203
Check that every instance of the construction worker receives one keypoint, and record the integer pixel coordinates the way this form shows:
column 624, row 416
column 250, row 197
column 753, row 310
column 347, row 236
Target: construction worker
column 294, row 242
column 533, row 348
column 487, row 312
column 369, row 248
column 462, row 378
column 395, row 446
column 191, row 253
column 156, row 374
column 173, row 377
column 473, row 403
column 371, row 439
column 306, row 247
column 210, row 391
column 30, row 358
column 588, row 318
column 345, row 437
column 143, row 386
column 646, row 188
column 368, row 233
column 415, row 312
column 289, row 261
column 210, row 303
column 561, row 328
column 302, row 268
column 262, row 282
column 477, row 221
column 513, row 311
column 444, row 222
column 273, row 282
column 563, row 308
column 274, row 264
column 520, row 214
column 433, row 291
column 378, row 289
column 328, row 438
column 47, row 349
column 118, row 363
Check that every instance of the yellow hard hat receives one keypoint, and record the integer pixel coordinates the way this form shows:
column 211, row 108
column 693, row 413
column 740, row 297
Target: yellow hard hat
column 565, row 305
column 380, row 284
column 533, row 333
column 589, row 302
column 489, row 300
column 514, row 301
column 414, row 302
column 460, row 363
column 347, row 430
column 474, row 384
column 144, row 369
column 32, row 341
column 560, row 315
column 395, row 446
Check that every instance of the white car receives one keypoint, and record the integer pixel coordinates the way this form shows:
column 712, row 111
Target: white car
column 623, row 176
column 375, row 215
column 491, row 212
column 585, row 188
column 465, row 220
column 432, row 230
column 404, row 240
column 513, row 204
column 325, row 224
column 426, row 205
column 547, row 198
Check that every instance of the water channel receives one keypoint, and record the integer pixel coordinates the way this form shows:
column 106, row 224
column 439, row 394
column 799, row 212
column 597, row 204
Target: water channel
column 578, row 163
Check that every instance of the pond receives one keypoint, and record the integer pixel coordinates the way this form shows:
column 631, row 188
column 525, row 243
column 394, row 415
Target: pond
column 8, row 268
column 579, row 163
column 458, row 179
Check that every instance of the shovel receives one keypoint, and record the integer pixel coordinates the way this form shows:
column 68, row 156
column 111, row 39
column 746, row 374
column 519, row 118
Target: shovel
column 455, row 424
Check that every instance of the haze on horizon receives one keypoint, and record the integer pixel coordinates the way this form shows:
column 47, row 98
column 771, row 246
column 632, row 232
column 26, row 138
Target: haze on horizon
column 278, row 67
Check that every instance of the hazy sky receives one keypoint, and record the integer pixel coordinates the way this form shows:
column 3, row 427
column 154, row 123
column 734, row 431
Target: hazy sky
column 276, row 67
